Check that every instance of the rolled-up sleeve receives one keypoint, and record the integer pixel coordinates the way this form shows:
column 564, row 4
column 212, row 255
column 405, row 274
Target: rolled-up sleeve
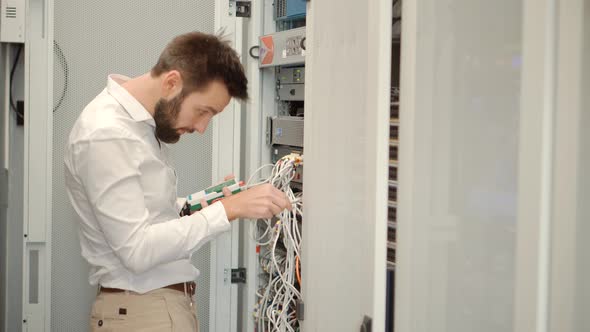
column 108, row 166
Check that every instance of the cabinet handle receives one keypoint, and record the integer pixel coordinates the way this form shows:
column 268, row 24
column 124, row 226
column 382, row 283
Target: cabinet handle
column 255, row 47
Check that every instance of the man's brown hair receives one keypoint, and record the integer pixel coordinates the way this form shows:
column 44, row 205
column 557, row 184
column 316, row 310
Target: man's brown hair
column 201, row 58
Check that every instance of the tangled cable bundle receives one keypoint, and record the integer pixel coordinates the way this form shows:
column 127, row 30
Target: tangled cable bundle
column 279, row 241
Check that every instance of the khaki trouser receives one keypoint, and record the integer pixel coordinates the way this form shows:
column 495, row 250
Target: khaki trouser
column 159, row 310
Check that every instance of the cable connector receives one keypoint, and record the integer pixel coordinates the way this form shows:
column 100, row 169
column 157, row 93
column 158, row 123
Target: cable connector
column 296, row 158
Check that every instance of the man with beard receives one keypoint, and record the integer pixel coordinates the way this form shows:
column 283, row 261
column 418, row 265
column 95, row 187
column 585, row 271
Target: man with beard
column 123, row 188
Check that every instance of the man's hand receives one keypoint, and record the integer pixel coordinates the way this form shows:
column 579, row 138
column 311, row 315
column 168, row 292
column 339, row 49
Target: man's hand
column 263, row 201
column 226, row 191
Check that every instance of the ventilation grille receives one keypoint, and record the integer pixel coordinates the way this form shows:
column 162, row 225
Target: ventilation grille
column 280, row 8
column 10, row 12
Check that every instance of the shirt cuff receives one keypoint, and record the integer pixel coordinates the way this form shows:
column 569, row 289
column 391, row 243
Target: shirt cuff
column 216, row 218
column 180, row 203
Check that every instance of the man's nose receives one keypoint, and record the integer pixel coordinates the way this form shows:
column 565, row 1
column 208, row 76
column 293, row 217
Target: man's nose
column 201, row 126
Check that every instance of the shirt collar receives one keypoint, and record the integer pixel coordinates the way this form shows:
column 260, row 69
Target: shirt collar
column 131, row 105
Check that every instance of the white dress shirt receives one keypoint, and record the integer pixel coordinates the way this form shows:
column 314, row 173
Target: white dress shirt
column 122, row 186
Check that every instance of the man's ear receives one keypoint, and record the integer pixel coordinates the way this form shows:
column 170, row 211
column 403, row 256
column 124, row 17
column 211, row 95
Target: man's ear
column 171, row 84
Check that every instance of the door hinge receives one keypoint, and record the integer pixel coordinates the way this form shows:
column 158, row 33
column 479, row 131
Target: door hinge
column 300, row 310
column 367, row 325
column 240, row 8
column 238, row 276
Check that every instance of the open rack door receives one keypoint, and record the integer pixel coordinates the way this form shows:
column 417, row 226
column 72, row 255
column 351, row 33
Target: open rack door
column 348, row 60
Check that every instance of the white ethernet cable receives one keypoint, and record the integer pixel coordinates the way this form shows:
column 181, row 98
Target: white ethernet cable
column 275, row 310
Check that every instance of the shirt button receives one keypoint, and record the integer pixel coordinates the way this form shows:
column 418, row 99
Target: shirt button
column 100, row 322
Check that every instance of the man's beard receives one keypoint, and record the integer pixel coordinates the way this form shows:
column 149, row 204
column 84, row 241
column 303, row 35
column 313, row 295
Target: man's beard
column 165, row 115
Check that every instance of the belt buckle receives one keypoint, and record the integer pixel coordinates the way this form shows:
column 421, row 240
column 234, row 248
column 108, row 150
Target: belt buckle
column 191, row 291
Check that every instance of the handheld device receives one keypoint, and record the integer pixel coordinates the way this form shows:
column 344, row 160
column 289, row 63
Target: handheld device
column 210, row 195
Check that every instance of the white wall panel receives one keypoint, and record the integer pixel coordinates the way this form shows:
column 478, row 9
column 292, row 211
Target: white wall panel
column 569, row 294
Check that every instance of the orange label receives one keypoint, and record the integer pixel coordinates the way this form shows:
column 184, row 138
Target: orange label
column 267, row 50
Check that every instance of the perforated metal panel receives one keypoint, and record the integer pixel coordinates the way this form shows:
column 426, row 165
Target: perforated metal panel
column 97, row 38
